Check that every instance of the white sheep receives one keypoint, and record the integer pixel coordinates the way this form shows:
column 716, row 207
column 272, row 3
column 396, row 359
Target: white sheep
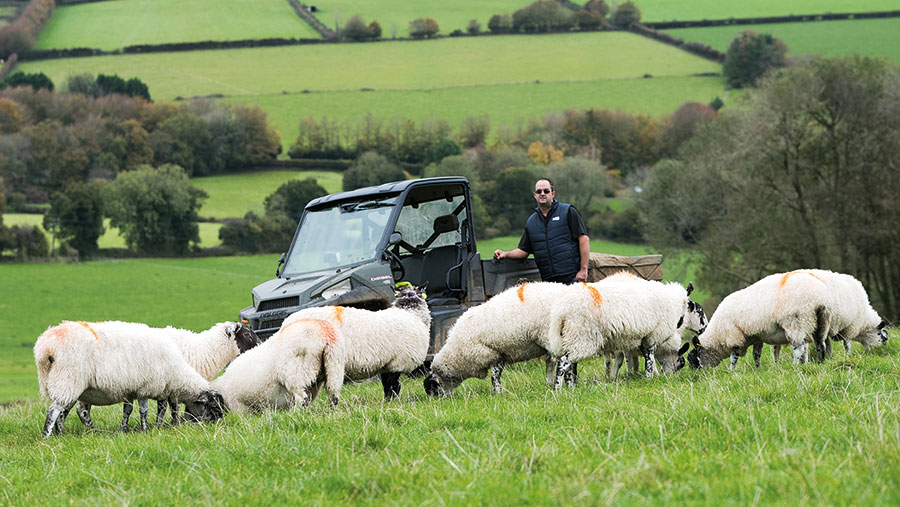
column 791, row 308
column 323, row 345
column 105, row 363
column 207, row 352
column 510, row 327
column 618, row 314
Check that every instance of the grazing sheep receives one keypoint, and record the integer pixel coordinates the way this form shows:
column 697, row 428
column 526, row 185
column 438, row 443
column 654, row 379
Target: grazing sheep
column 619, row 313
column 510, row 327
column 106, row 363
column 319, row 346
column 789, row 309
column 207, row 352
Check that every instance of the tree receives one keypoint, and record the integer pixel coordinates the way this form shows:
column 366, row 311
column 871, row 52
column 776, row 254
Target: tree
column 37, row 81
column 369, row 169
column 500, row 23
column 684, row 123
column 542, row 16
column 356, row 30
column 292, row 197
column 474, row 27
column 599, row 6
column 803, row 175
column 155, row 209
column 626, row 15
column 76, row 217
column 750, row 55
column 12, row 117
column 374, row 30
column 578, row 181
column 474, row 131
column 423, row 28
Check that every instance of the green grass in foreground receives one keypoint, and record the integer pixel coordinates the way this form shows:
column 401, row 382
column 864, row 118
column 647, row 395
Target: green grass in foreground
column 118, row 23
column 879, row 38
column 509, row 105
column 666, row 10
column 233, row 195
column 800, row 435
column 209, row 232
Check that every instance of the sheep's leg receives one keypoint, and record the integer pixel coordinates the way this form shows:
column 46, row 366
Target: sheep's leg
column 551, row 369
column 161, row 407
column 632, row 363
column 620, row 358
column 313, row 391
column 735, row 355
column 799, row 353
column 757, row 353
column 176, row 412
column 776, row 351
column 496, row 372
column 143, row 408
column 827, row 347
column 820, row 336
column 846, row 346
column 56, row 416
column 572, row 376
column 84, row 413
column 127, row 407
column 649, row 360
column 390, row 382
column 563, row 366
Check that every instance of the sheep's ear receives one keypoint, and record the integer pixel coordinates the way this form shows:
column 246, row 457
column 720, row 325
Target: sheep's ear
column 684, row 348
column 421, row 288
column 881, row 325
column 690, row 306
column 236, row 328
column 696, row 342
column 690, row 288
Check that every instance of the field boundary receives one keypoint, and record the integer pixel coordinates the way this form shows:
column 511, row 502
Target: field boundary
column 694, row 48
column 798, row 18
column 318, row 26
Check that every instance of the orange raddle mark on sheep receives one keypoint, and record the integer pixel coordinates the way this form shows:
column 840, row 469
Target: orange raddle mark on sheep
column 325, row 328
column 339, row 314
column 595, row 295
column 785, row 277
column 85, row 324
column 521, row 292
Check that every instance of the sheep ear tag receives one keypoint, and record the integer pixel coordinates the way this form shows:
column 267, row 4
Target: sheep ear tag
column 696, row 342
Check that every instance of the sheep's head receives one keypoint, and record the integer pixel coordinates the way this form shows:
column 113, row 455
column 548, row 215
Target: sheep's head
column 439, row 385
column 671, row 360
column 208, row 407
column 694, row 318
column 702, row 357
column 873, row 336
column 243, row 336
column 410, row 296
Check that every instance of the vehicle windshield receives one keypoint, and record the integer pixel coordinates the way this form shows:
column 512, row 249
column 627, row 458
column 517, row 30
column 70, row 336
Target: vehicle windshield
column 344, row 234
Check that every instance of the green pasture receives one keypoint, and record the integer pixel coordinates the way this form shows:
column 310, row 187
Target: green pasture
column 507, row 105
column 233, row 195
column 209, row 232
column 816, row 434
column 425, row 65
column 879, row 38
column 667, row 10
column 115, row 24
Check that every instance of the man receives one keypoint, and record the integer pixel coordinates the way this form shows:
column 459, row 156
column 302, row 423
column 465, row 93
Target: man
column 556, row 235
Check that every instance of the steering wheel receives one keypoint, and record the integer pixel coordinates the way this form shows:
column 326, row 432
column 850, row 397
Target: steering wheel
column 397, row 269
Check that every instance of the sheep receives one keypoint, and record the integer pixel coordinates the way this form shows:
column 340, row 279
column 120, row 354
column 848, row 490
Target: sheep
column 317, row 346
column 207, row 352
column 619, row 313
column 791, row 308
column 104, row 363
column 510, row 327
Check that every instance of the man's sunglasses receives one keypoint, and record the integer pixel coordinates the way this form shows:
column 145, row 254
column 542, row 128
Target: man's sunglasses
column 543, row 191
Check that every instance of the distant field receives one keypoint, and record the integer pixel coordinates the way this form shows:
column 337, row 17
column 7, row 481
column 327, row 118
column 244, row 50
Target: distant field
column 667, row 10
column 878, row 38
column 511, row 104
column 423, row 65
column 115, row 24
column 209, row 232
column 233, row 195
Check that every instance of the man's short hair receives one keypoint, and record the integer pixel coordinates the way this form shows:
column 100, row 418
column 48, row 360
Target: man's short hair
column 548, row 180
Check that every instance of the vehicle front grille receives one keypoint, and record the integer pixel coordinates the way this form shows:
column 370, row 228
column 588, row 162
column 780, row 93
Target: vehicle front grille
column 270, row 324
column 274, row 304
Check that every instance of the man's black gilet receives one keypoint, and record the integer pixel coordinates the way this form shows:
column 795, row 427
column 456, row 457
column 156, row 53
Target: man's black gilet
column 555, row 252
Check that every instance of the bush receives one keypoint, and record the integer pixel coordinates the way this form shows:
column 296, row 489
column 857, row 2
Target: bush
column 76, row 217
column 29, row 242
column 134, row 87
column 586, row 21
column 155, row 208
column 292, row 197
column 474, row 131
column 599, row 6
column 623, row 226
column 374, row 30
column 253, row 234
column 371, row 169
column 542, row 16
column 626, row 15
column 500, row 23
column 474, row 27
column 423, row 28
column 750, row 55
column 37, row 81
column 356, row 30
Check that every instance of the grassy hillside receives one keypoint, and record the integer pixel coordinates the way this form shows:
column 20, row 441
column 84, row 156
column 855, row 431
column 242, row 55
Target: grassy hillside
column 115, row 24
column 666, row 10
column 233, row 195
column 879, row 38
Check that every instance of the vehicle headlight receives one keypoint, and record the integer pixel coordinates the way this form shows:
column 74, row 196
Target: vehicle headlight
column 255, row 300
column 337, row 289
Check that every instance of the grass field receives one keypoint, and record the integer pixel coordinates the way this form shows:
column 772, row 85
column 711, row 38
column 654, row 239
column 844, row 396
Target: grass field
column 879, row 38
column 209, row 232
column 510, row 105
column 666, row 10
column 233, row 195
column 115, row 24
